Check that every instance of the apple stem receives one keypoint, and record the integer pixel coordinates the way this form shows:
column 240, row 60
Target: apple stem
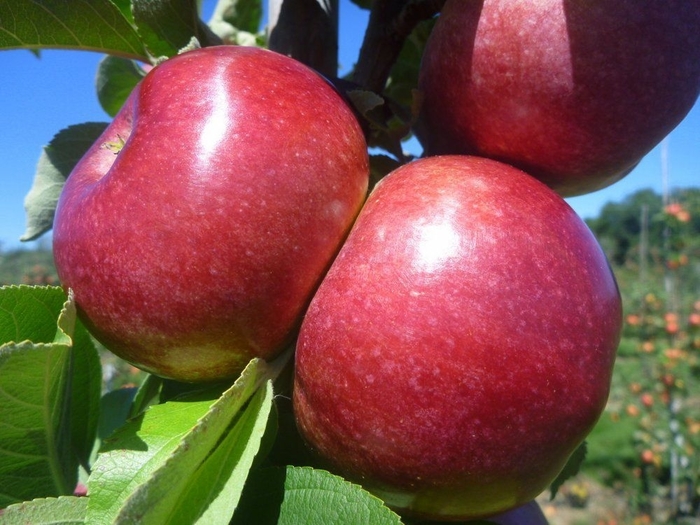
column 390, row 23
column 306, row 30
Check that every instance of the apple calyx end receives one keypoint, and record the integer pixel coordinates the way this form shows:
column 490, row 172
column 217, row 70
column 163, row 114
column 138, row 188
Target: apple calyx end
column 115, row 146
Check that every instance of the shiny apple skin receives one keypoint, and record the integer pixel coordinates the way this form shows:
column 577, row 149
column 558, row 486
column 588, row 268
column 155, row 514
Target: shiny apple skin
column 199, row 244
column 574, row 93
column 461, row 345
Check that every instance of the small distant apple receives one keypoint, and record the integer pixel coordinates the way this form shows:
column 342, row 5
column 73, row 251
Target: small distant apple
column 461, row 346
column 574, row 93
column 196, row 229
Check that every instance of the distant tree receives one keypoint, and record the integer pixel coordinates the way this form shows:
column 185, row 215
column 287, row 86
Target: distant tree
column 619, row 225
column 690, row 198
column 21, row 266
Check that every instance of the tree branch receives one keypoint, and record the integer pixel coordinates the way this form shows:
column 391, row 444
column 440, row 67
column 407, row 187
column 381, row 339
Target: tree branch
column 306, row 30
column 390, row 23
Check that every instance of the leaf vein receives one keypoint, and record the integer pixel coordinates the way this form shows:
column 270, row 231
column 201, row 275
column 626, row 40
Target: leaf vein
column 53, row 15
column 17, row 400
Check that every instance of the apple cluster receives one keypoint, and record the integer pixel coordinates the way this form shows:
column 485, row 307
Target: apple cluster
column 456, row 329
column 461, row 346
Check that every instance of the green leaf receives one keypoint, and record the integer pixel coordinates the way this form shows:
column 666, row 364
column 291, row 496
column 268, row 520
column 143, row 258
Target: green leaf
column 136, row 450
column 124, row 7
column 166, row 26
column 209, row 493
column 230, row 465
column 572, row 467
column 56, row 162
column 147, row 394
column 95, row 25
column 114, row 411
column 403, row 79
column 365, row 101
column 237, row 21
column 292, row 495
column 29, row 313
column 66, row 510
column 391, row 122
column 244, row 15
column 85, row 385
column 148, row 464
column 49, row 393
column 116, row 79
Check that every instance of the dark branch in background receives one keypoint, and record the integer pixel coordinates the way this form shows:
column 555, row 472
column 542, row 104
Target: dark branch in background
column 390, row 23
column 306, row 30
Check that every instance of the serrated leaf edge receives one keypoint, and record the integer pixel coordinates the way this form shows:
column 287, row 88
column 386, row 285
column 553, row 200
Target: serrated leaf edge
column 15, row 507
column 371, row 497
column 27, row 342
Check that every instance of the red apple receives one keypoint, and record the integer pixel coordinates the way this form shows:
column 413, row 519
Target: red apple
column 574, row 93
column 461, row 345
column 196, row 229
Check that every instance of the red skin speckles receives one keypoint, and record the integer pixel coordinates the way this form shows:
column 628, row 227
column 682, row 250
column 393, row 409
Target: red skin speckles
column 461, row 346
column 575, row 93
column 198, row 245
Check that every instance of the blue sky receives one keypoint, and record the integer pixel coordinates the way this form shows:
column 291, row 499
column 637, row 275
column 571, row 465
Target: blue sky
column 41, row 96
